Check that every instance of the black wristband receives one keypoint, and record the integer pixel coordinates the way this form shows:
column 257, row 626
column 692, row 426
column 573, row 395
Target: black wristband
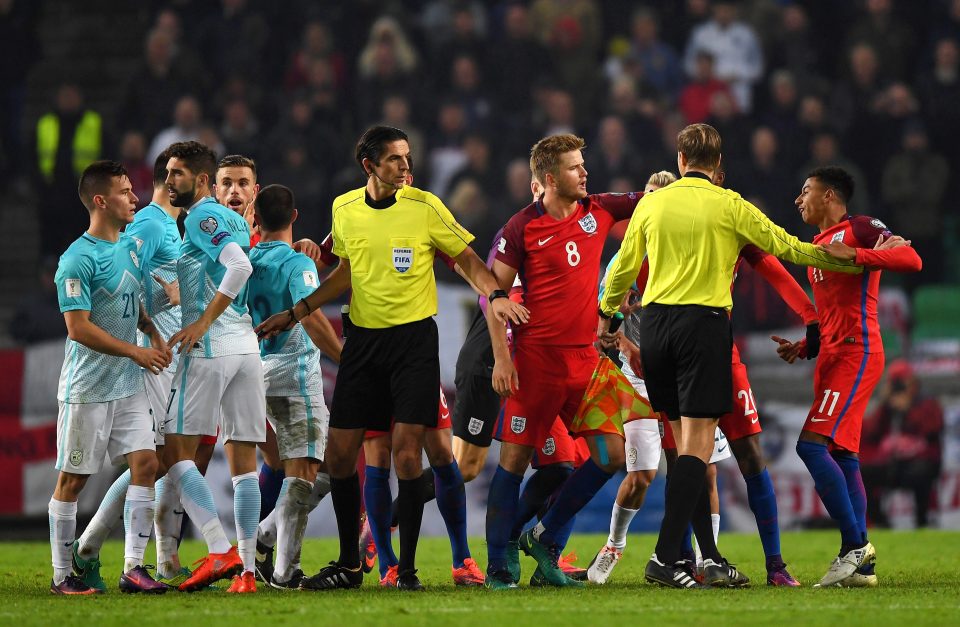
column 603, row 315
column 495, row 294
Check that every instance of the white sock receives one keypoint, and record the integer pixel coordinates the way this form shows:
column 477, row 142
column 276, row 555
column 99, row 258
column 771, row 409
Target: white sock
column 620, row 519
column 197, row 501
column 138, row 512
column 715, row 521
column 292, row 522
column 267, row 530
column 63, row 532
column 168, row 521
column 105, row 520
column 246, row 512
column 321, row 488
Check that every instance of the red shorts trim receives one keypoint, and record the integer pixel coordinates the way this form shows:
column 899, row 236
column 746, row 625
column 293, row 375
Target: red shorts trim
column 843, row 384
column 744, row 420
column 552, row 384
column 212, row 439
column 443, row 420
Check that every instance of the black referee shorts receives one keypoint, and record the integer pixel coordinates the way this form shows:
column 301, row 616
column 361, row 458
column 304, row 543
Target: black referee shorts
column 686, row 352
column 388, row 374
column 477, row 406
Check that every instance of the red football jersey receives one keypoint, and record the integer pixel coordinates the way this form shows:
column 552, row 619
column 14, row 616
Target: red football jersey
column 558, row 262
column 847, row 303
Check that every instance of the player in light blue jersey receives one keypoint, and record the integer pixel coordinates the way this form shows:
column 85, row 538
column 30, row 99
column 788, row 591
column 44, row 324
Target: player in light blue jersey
column 103, row 408
column 291, row 367
column 220, row 378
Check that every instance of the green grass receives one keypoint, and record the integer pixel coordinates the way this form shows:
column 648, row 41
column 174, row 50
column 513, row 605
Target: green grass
column 917, row 570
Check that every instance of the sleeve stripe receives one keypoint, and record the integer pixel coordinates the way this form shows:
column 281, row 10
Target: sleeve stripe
column 750, row 210
column 439, row 215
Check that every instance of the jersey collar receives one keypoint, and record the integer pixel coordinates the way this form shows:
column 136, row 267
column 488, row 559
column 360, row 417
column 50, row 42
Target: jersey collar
column 698, row 175
column 203, row 200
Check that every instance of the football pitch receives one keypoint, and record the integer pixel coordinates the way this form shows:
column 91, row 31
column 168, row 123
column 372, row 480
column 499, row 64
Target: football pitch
column 918, row 573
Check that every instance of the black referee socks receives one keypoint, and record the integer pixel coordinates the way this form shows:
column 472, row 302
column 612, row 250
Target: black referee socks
column 345, row 494
column 683, row 493
column 409, row 515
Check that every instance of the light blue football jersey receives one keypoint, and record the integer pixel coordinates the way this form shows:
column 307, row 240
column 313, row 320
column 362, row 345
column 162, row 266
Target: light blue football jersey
column 208, row 228
column 281, row 277
column 158, row 246
column 103, row 278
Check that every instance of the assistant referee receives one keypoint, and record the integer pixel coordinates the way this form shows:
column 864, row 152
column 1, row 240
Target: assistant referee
column 386, row 234
column 691, row 233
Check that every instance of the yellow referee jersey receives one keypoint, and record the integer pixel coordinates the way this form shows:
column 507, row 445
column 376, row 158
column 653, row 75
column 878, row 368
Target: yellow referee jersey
column 391, row 252
column 691, row 232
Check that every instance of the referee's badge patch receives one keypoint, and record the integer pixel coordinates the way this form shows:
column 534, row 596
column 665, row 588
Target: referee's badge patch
column 588, row 223
column 518, row 424
column 402, row 259
column 549, row 447
column 838, row 236
column 475, row 426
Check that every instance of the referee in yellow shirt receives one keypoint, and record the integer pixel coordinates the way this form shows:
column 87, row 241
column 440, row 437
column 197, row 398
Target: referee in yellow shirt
column 691, row 233
column 386, row 234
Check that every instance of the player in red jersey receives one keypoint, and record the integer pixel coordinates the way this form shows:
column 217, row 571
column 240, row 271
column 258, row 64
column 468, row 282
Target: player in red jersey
column 850, row 362
column 555, row 245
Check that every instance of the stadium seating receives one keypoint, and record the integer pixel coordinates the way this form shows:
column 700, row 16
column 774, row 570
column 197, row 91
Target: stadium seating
column 936, row 312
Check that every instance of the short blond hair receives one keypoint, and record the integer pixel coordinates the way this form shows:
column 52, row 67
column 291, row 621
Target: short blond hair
column 661, row 178
column 700, row 144
column 545, row 154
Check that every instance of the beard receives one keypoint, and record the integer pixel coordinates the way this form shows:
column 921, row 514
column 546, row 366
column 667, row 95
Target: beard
column 184, row 199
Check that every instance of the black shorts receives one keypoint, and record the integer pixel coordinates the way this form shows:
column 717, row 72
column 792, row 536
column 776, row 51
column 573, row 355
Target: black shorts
column 477, row 406
column 391, row 373
column 686, row 352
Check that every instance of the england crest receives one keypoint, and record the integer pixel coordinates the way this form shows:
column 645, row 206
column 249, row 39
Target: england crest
column 402, row 259
column 475, row 426
column 588, row 223
column 518, row 424
column 549, row 447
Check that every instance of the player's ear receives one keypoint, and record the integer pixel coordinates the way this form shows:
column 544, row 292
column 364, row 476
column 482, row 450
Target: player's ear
column 367, row 166
column 293, row 218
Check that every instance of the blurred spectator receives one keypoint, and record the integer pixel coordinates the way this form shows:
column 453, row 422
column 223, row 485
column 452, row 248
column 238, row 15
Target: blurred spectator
column 238, row 88
column 295, row 170
column 461, row 36
column 234, row 37
column 240, row 131
column 187, row 120
column 19, row 50
column 517, row 61
column 939, row 91
column 316, row 43
column 659, row 62
column 385, row 68
column 37, row 317
column 297, row 126
column 735, row 48
column 695, row 97
column 913, row 190
column 611, row 155
column 900, row 447
column 324, row 98
column 824, row 151
column 65, row 141
column 560, row 113
column 762, row 177
column 466, row 86
column 793, row 50
column 155, row 86
column 480, row 166
column 640, row 120
column 733, row 127
column 396, row 113
column 517, row 190
column 446, row 146
column 470, row 204
column 781, row 115
column 888, row 35
column 681, row 18
column 572, row 31
column 133, row 152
